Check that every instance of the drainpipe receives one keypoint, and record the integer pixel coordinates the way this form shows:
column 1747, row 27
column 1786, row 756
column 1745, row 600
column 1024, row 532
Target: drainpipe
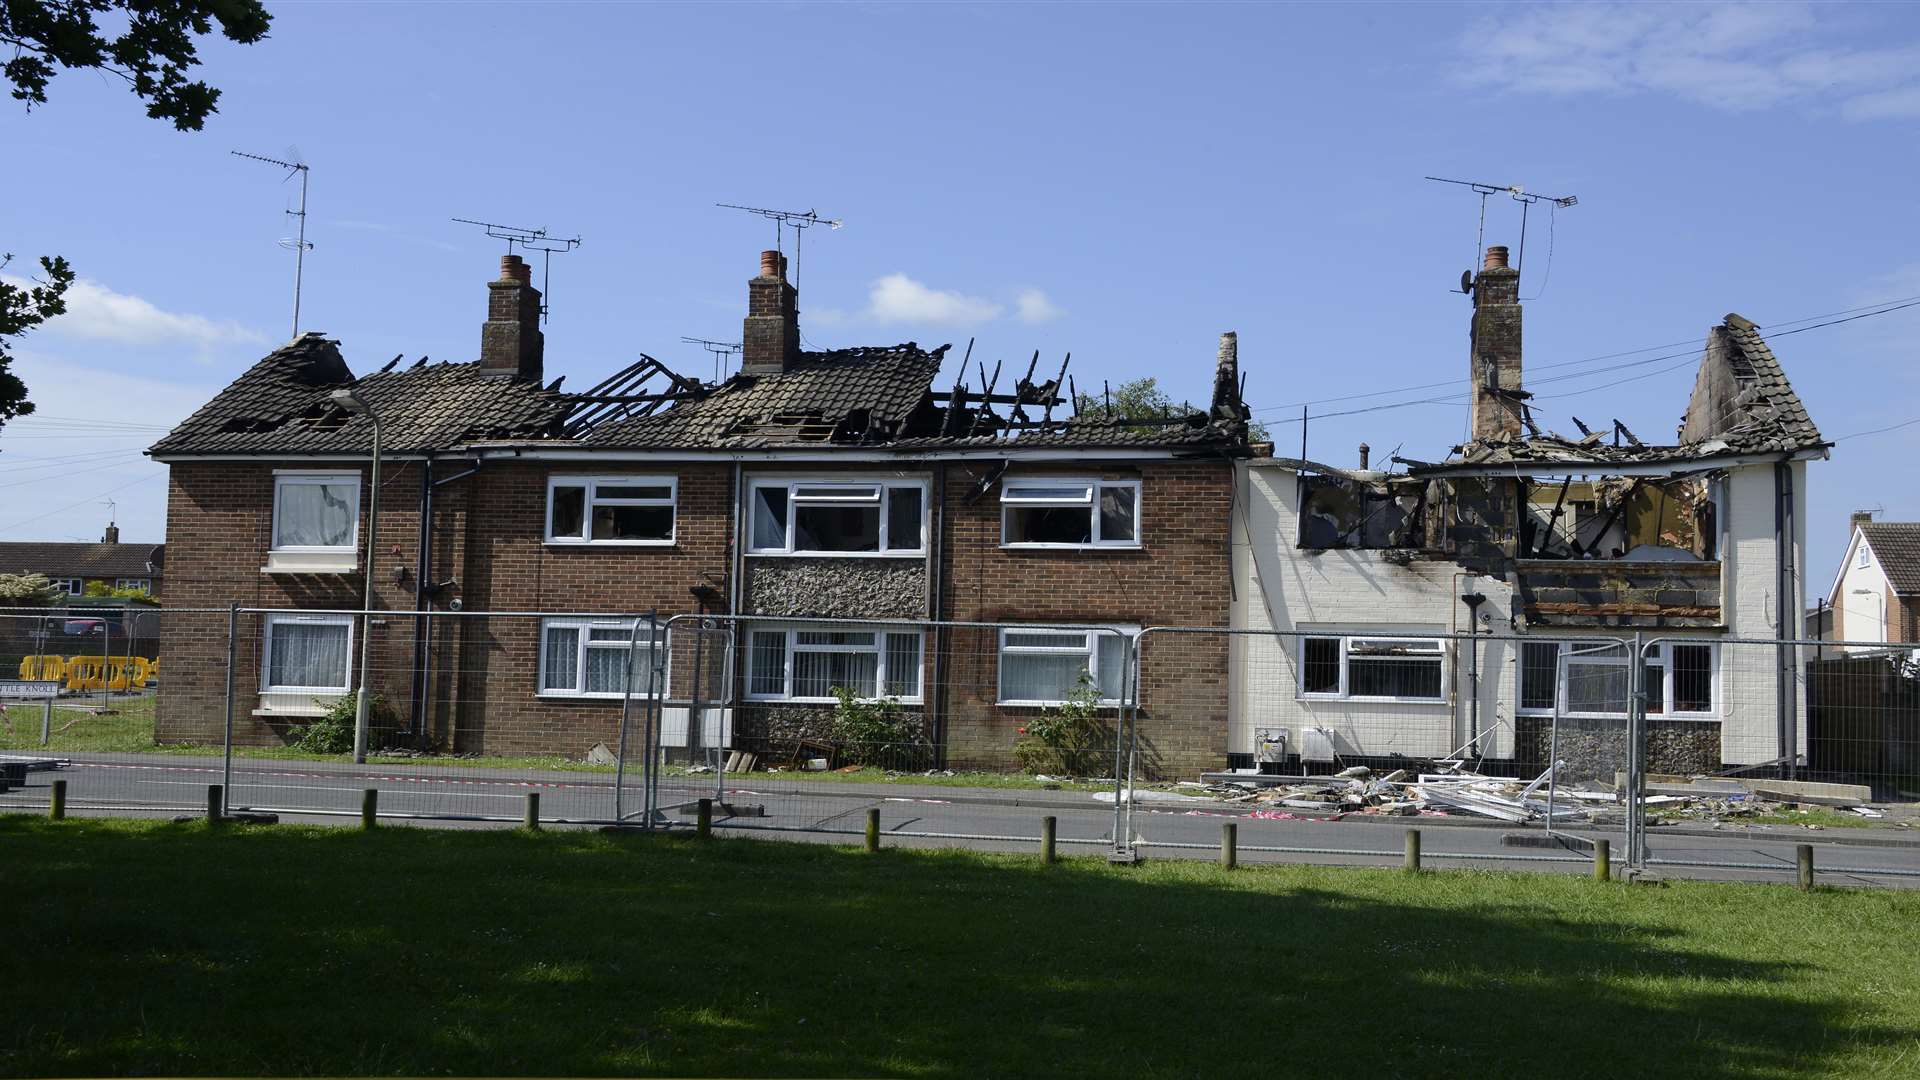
column 422, row 625
column 935, row 665
column 1786, row 694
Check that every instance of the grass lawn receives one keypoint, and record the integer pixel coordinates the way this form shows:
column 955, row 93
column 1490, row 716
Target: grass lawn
column 127, row 725
column 172, row 949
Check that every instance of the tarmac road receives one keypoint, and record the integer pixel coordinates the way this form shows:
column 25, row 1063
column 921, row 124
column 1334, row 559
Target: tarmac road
column 450, row 795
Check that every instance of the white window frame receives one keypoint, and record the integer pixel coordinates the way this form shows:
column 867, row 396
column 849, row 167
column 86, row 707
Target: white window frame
column 1344, row 693
column 593, row 484
column 1090, row 649
column 288, row 477
column 71, row 586
column 792, row 634
column 643, row 658
column 133, row 583
column 1011, row 500
column 1863, row 559
column 1661, row 655
column 854, row 487
column 266, row 654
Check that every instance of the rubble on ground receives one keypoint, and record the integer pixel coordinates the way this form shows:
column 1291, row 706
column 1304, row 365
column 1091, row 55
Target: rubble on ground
column 1453, row 789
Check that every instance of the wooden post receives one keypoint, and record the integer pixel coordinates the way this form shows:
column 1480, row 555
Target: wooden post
column 369, row 807
column 216, row 803
column 533, row 811
column 1602, row 859
column 1229, row 844
column 1413, row 849
column 57, row 810
column 873, row 828
column 1049, row 827
column 1805, row 853
column 703, row 824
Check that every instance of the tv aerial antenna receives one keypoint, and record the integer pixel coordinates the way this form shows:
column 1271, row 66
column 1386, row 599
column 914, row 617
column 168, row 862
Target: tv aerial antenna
column 297, row 243
column 531, row 240
column 797, row 220
column 1526, row 199
column 720, row 350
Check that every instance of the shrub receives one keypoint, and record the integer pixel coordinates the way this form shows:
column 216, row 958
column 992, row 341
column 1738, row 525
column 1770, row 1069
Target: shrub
column 1066, row 739
column 332, row 733
column 867, row 729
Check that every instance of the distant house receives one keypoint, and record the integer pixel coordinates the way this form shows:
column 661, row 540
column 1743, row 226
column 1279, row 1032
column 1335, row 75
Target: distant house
column 1876, row 591
column 72, row 567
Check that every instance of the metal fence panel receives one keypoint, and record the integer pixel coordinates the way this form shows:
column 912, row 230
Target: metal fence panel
column 104, row 728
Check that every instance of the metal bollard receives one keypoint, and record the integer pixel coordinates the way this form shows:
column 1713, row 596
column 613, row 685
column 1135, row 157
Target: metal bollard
column 1413, row 849
column 533, row 811
column 873, row 828
column 1805, row 853
column 57, row 810
column 369, row 807
column 216, row 803
column 703, row 823
column 1049, row 827
column 1229, row 844
column 1602, row 859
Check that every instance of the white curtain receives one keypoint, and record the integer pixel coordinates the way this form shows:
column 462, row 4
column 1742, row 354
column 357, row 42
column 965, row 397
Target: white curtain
column 563, row 659
column 1040, row 676
column 815, row 674
column 316, row 515
column 308, row 654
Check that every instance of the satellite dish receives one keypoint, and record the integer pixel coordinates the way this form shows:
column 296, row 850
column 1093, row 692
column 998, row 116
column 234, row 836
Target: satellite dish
column 1466, row 281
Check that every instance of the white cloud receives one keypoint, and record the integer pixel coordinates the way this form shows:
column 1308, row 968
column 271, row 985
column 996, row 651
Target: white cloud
column 1727, row 56
column 898, row 298
column 97, row 313
column 1033, row 306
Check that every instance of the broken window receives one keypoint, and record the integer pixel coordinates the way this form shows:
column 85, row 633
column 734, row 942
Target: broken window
column 1337, row 512
column 1070, row 513
column 610, row 509
column 837, row 518
column 1620, row 517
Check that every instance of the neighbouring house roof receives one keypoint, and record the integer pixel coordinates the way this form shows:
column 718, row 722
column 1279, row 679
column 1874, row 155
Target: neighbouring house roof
column 875, row 397
column 82, row 560
column 281, row 406
column 1896, row 547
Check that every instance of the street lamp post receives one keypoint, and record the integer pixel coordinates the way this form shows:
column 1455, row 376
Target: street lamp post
column 353, row 402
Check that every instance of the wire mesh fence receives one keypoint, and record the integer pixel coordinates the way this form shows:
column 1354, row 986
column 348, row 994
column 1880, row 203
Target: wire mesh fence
column 1682, row 751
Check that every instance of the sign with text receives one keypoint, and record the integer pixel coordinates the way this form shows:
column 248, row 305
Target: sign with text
column 21, row 688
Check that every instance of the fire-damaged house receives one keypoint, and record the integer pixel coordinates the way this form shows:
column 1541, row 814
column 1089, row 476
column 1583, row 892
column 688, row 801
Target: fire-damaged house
column 854, row 484
column 1549, row 545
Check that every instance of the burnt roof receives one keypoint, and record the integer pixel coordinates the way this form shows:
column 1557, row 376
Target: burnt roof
column 281, row 405
column 874, row 397
column 1896, row 547
column 81, row 559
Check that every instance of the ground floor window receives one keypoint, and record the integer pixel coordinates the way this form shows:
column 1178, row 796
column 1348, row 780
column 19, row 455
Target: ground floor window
column 1372, row 668
column 308, row 654
column 1682, row 678
column 802, row 664
column 1041, row 666
column 595, row 657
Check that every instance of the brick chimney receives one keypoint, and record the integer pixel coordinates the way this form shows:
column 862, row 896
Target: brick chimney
column 511, row 343
column 112, row 535
column 1494, row 379
column 1857, row 519
column 770, row 341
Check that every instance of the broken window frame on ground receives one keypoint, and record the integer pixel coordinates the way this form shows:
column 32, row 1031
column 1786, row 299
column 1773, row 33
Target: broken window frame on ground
column 1661, row 659
column 1419, row 650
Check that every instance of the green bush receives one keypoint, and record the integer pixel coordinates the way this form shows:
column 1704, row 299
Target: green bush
column 332, row 733
column 1066, row 739
column 869, row 729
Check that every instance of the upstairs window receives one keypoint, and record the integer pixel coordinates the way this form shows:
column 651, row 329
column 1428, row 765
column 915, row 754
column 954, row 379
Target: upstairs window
column 143, row 584
column 1372, row 668
column 610, row 509
column 1060, row 513
column 72, row 586
column 837, row 518
column 316, row 512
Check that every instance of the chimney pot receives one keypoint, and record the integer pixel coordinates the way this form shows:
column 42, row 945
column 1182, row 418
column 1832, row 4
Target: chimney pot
column 1365, row 451
column 1496, row 257
column 770, row 265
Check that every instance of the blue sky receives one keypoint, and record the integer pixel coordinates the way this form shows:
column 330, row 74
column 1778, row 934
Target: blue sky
column 1121, row 181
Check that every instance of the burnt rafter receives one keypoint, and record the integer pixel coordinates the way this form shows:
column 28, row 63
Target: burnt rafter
column 634, row 391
